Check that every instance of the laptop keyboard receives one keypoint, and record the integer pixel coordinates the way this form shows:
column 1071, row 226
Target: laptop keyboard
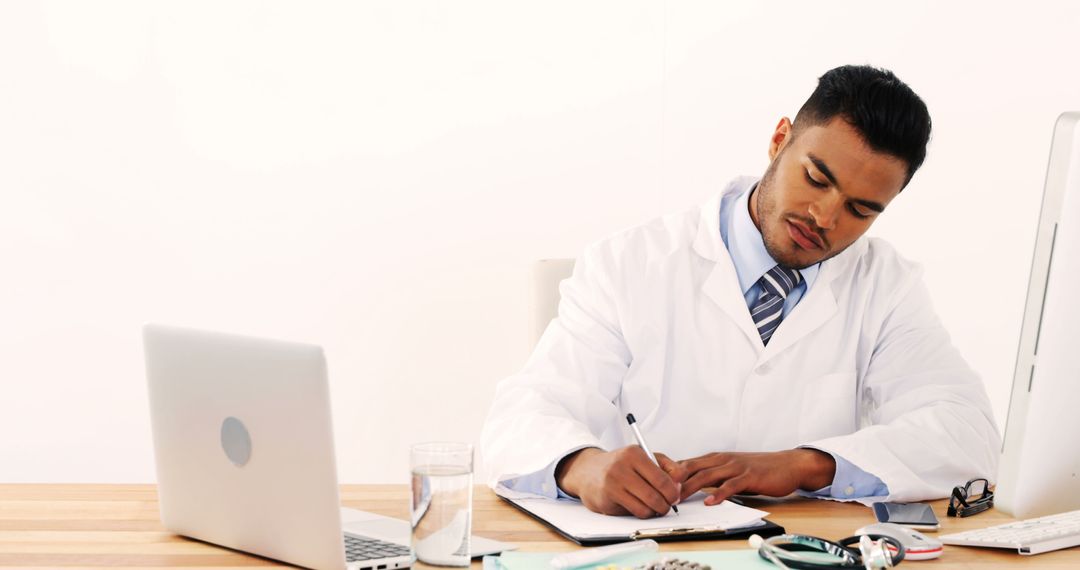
column 363, row 548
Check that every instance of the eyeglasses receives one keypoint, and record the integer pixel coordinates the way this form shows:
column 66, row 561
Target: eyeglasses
column 971, row 499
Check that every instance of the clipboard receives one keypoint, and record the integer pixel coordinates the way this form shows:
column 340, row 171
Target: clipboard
column 674, row 533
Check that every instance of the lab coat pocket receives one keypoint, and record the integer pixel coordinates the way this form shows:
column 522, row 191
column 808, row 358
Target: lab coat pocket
column 828, row 406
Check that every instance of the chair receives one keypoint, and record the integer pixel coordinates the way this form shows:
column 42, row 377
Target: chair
column 546, row 276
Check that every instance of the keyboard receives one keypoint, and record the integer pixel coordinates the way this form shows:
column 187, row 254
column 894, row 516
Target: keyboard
column 1031, row 536
column 359, row 548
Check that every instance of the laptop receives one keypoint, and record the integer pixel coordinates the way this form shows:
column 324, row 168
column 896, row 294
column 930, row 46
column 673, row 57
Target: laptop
column 244, row 449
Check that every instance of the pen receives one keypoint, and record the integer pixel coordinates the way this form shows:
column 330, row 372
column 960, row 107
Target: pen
column 595, row 556
column 641, row 441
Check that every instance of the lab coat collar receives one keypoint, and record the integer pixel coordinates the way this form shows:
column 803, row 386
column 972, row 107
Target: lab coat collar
column 707, row 242
column 722, row 284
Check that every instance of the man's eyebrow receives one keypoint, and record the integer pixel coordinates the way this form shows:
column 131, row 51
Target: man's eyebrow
column 820, row 164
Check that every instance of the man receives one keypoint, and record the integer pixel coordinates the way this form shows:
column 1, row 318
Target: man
column 764, row 345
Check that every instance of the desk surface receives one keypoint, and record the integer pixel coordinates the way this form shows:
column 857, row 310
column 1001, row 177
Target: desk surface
column 88, row 526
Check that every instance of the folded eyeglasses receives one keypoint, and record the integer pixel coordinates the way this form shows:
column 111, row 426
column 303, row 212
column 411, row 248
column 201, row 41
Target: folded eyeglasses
column 971, row 499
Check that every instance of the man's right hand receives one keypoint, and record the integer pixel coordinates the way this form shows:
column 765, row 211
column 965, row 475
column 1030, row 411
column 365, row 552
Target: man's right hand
column 620, row 482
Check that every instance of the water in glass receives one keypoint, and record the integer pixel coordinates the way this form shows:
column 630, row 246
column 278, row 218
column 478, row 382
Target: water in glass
column 442, row 514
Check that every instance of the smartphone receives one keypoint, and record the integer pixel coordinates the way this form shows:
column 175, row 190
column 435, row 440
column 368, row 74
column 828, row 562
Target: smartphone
column 915, row 515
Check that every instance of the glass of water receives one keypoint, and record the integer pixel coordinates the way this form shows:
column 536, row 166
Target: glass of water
column 441, row 505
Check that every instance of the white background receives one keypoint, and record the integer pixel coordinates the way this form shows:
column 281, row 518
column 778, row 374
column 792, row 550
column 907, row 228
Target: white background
column 378, row 177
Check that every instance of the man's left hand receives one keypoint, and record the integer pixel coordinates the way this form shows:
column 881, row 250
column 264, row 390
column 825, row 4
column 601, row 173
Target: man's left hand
column 775, row 474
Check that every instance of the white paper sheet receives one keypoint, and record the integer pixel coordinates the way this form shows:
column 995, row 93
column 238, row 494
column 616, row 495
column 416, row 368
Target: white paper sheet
column 574, row 519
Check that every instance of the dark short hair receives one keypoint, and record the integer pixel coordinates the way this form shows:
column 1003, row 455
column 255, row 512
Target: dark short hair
column 891, row 118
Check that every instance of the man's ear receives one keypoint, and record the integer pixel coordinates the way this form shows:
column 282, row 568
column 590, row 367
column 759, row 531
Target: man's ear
column 780, row 137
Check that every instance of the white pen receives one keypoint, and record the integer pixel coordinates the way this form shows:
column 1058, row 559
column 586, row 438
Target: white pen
column 594, row 556
column 641, row 441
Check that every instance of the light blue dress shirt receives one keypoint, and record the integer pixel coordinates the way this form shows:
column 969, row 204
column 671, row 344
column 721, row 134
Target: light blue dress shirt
column 751, row 260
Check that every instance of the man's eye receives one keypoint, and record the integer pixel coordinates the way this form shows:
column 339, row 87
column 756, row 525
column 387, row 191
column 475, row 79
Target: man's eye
column 813, row 182
column 855, row 210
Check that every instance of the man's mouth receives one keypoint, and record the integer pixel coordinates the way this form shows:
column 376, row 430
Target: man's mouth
column 803, row 236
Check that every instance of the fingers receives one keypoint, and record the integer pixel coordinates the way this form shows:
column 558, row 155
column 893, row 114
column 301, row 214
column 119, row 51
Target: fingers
column 636, row 483
column 730, row 488
column 627, row 480
column 637, row 507
column 644, row 491
column 710, row 477
column 623, row 502
column 664, row 489
column 707, row 461
column 674, row 469
column 628, row 493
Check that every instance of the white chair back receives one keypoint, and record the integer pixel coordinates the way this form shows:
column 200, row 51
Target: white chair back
column 547, row 274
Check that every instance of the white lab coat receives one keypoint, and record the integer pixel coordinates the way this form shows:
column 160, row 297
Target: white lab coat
column 653, row 322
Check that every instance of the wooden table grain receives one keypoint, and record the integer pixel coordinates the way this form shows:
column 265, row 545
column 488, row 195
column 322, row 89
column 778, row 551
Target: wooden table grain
column 117, row 526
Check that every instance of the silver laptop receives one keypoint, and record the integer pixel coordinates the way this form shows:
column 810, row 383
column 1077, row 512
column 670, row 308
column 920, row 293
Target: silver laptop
column 245, row 453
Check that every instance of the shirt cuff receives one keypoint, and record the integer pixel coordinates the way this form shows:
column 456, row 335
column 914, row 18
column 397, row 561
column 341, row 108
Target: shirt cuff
column 849, row 482
column 542, row 482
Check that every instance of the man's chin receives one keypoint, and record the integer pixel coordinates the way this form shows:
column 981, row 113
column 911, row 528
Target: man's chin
column 798, row 265
column 798, row 258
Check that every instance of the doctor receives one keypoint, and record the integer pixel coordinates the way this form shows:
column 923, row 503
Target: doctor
column 763, row 343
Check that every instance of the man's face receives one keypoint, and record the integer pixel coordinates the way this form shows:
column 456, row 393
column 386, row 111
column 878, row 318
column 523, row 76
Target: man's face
column 822, row 190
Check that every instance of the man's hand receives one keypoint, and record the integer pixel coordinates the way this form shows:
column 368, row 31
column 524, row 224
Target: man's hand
column 624, row 481
column 775, row 474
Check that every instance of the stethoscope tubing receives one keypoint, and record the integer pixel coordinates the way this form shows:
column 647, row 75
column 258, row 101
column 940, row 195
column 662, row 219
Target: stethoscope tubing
column 788, row 555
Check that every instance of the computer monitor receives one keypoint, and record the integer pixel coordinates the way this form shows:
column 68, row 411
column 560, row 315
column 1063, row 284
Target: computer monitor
column 1040, row 461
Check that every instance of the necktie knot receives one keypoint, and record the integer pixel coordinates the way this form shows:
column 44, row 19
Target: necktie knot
column 780, row 281
column 767, row 312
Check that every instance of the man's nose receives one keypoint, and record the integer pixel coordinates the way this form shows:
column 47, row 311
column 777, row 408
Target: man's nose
column 826, row 210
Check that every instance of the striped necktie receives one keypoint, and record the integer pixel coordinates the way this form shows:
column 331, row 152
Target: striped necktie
column 776, row 284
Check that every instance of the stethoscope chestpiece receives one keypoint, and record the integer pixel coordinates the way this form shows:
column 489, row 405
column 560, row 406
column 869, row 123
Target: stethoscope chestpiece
column 875, row 555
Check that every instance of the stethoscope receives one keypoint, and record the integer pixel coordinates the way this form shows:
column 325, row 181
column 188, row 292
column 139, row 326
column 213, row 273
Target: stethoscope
column 803, row 552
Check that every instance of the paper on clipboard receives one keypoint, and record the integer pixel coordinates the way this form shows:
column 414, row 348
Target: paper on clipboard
column 571, row 517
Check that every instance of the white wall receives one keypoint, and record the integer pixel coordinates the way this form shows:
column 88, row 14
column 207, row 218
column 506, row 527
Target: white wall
column 378, row 177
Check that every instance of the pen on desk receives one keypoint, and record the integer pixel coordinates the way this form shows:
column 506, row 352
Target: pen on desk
column 641, row 441
column 595, row 556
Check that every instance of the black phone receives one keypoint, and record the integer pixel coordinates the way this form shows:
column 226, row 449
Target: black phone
column 914, row 515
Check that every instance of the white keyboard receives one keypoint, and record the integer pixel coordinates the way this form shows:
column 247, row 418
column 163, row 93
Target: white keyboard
column 1031, row 536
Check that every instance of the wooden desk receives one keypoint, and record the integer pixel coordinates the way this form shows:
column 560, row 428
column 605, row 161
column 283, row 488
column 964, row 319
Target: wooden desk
column 89, row 526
